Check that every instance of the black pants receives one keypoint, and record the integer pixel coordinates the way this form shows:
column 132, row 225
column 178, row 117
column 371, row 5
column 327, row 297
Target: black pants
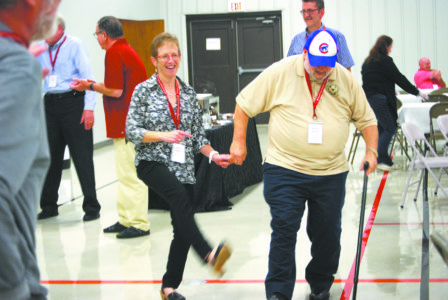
column 179, row 197
column 63, row 113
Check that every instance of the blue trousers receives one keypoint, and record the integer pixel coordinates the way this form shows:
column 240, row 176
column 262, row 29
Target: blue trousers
column 286, row 192
column 387, row 126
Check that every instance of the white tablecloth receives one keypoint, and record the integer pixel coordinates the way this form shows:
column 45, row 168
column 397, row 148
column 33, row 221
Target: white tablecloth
column 409, row 98
column 418, row 114
column 427, row 91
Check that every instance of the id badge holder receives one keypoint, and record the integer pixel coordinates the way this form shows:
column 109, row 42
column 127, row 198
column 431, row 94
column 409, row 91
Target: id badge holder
column 52, row 81
column 315, row 131
column 178, row 153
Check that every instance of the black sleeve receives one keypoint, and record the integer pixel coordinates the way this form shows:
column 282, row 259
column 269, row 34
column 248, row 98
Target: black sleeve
column 400, row 79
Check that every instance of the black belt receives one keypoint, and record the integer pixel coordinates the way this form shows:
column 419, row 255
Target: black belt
column 72, row 93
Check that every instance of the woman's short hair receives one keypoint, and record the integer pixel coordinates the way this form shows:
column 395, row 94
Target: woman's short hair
column 163, row 38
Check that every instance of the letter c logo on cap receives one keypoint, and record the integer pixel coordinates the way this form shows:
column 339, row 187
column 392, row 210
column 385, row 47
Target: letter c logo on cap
column 323, row 48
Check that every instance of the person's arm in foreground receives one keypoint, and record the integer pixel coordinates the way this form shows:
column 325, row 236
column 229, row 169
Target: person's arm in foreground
column 238, row 149
column 370, row 135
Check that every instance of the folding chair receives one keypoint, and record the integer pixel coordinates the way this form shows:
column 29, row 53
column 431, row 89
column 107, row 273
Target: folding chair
column 398, row 137
column 435, row 111
column 442, row 121
column 440, row 91
column 438, row 95
column 421, row 161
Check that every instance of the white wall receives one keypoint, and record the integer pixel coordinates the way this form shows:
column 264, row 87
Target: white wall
column 418, row 28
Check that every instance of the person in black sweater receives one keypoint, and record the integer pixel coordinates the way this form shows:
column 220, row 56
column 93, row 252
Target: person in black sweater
column 379, row 76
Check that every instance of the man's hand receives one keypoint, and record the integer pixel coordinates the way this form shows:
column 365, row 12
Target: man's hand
column 238, row 152
column 37, row 49
column 80, row 84
column 371, row 158
column 88, row 119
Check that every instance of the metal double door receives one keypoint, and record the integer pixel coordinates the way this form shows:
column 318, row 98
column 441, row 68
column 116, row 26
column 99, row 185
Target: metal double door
column 226, row 52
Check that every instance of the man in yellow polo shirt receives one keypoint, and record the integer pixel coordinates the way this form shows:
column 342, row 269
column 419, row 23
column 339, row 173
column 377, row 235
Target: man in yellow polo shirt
column 311, row 100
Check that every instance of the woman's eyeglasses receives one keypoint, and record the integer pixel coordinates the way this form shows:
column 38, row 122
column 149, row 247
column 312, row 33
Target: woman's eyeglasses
column 166, row 58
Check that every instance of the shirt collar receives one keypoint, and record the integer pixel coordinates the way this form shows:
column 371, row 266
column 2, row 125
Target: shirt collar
column 120, row 41
column 59, row 42
column 321, row 27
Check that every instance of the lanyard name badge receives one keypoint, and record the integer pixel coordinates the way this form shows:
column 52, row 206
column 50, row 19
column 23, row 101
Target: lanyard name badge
column 52, row 79
column 178, row 150
column 315, row 126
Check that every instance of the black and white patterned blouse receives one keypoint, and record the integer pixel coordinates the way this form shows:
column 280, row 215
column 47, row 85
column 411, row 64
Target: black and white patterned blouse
column 149, row 111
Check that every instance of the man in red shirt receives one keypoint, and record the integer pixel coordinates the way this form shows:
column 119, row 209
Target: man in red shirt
column 425, row 78
column 123, row 71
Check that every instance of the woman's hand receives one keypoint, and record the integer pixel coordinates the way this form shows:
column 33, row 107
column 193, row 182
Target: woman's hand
column 222, row 160
column 175, row 136
column 424, row 96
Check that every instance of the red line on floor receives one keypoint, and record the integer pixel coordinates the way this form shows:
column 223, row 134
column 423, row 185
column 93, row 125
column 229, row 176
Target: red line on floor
column 238, row 281
column 365, row 237
column 412, row 223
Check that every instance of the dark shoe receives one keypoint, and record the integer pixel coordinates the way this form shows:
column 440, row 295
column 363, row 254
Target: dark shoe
column 131, row 232
column 322, row 295
column 172, row 296
column 91, row 217
column 276, row 296
column 46, row 214
column 221, row 256
column 116, row 228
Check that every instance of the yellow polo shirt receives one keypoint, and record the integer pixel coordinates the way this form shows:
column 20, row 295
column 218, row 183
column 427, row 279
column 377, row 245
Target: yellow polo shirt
column 282, row 90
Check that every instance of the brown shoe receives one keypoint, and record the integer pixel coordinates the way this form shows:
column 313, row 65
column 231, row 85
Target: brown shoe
column 221, row 256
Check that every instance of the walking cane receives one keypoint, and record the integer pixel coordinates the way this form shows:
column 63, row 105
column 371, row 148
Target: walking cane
column 361, row 229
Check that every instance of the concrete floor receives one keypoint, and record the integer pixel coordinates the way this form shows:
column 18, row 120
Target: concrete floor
column 78, row 261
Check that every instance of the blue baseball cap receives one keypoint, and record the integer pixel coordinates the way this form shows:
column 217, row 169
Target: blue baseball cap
column 322, row 48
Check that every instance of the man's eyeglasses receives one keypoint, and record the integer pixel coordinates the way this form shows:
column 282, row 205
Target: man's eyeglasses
column 309, row 11
column 166, row 58
column 95, row 34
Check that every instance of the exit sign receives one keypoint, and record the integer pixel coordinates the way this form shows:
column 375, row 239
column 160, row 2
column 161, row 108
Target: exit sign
column 236, row 5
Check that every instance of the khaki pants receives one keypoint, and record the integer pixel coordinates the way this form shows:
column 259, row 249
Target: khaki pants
column 132, row 196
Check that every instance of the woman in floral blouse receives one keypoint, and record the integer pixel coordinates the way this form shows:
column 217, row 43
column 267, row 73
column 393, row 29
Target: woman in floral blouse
column 165, row 124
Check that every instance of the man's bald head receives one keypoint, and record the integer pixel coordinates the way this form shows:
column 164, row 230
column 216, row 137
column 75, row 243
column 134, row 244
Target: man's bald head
column 424, row 63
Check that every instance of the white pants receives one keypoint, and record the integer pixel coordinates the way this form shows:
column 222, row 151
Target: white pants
column 132, row 196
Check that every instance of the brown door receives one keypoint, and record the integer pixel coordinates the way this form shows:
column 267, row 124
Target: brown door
column 139, row 34
column 226, row 52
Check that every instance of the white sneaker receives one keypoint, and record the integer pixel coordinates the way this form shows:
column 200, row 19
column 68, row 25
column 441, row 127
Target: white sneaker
column 384, row 167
